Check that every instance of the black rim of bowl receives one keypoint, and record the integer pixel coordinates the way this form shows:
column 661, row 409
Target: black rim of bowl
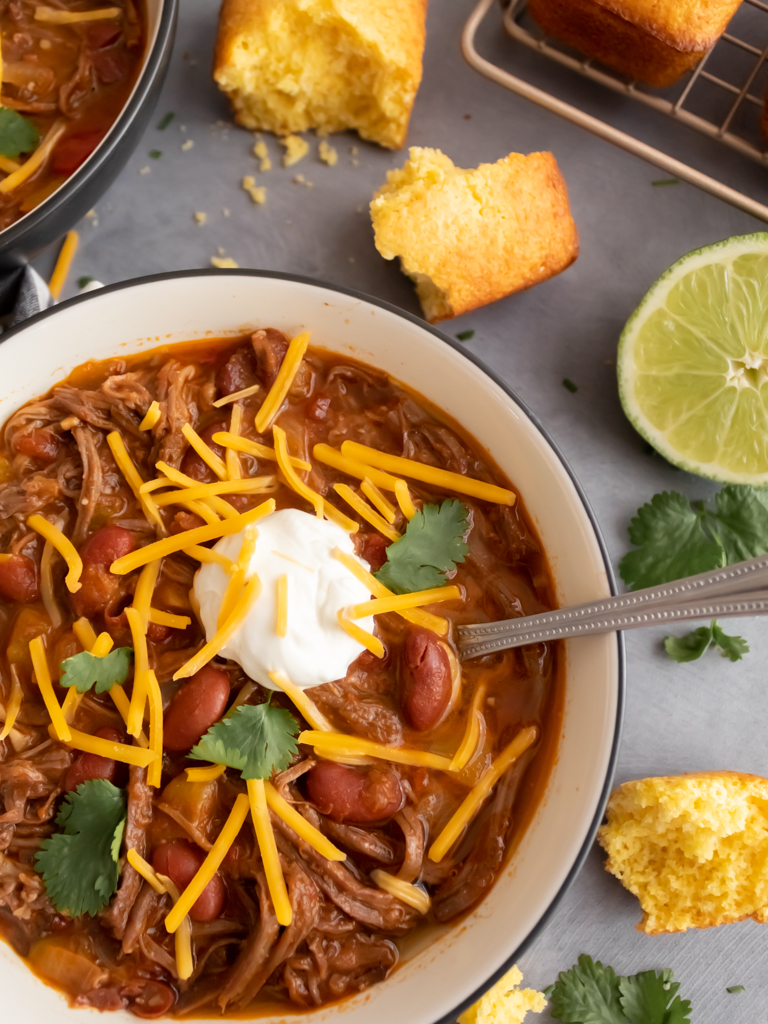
column 15, row 233
column 457, row 347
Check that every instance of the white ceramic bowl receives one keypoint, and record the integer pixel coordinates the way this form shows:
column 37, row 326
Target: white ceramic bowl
column 435, row 983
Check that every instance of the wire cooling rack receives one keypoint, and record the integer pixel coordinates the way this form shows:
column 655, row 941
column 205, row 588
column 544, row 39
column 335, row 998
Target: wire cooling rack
column 722, row 98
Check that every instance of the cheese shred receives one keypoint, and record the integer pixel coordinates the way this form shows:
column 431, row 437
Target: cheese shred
column 368, row 640
column 231, row 458
column 42, row 674
column 468, row 745
column 236, row 396
column 205, row 774
column 37, row 159
column 155, row 770
column 146, row 870
column 428, row 474
column 140, row 672
column 245, row 602
column 381, row 605
column 265, row 837
column 300, row 825
column 281, row 625
column 139, row 756
column 210, row 865
column 406, row 892
column 356, row 747
column 307, row 707
column 185, row 965
column 259, row 451
column 169, row 619
column 365, row 511
column 64, row 546
column 376, row 498
column 151, row 417
column 54, row 16
column 133, row 477
column 333, row 457
column 123, row 705
column 66, row 254
column 14, row 703
column 282, row 385
column 47, row 593
column 291, row 477
column 476, row 796
column 145, row 588
column 85, row 633
column 404, row 500
column 209, row 457
column 237, row 580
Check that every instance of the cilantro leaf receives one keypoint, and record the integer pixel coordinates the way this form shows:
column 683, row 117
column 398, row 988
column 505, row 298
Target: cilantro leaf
column 741, row 522
column 651, row 998
column 690, row 647
column 671, row 543
column 85, row 670
column 17, row 133
column 731, row 647
column 431, row 546
column 255, row 739
column 79, row 865
column 587, row 994
column 735, row 990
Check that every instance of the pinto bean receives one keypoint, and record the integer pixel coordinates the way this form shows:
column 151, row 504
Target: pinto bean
column 87, row 767
column 193, row 465
column 360, row 795
column 195, row 707
column 180, row 861
column 18, row 580
column 41, row 444
column 426, row 679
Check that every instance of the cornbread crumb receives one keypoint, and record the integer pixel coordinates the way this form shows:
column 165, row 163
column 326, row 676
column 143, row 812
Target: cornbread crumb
column 296, row 149
column 692, row 848
column 327, row 153
column 201, row 217
column 505, row 1003
column 291, row 65
column 301, row 180
column 145, row 170
column 470, row 237
column 225, row 211
column 258, row 193
column 185, row 146
column 224, row 262
column 260, row 151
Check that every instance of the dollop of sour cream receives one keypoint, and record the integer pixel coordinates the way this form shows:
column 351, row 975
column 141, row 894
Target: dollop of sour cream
column 315, row 649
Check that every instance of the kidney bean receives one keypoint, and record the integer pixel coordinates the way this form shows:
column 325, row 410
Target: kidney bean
column 106, row 545
column 360, row 795
column 18, row 580
column 87, row 767
column 426, row 679
column 100, row 589
column 180, row 861
column 195, row 707
column 193, row 465
column 238, row 373
column 149, row 998
column 41, row 444
column 373, row 548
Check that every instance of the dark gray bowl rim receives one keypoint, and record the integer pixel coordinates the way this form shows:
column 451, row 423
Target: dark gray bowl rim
column 14, row 234
column 457, row 347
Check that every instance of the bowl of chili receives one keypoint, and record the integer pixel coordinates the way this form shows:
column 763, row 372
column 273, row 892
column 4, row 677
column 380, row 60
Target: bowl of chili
column 79, row 83
column 158, row 428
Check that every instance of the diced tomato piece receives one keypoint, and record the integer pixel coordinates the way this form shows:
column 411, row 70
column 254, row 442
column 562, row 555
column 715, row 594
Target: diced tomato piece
column 74, row 150
column 18, row 580
column 41, row 444
column 111, row 65
column 104, row 34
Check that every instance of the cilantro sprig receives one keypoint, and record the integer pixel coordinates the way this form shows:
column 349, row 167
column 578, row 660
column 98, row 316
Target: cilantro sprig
column 431, row 546
column 79, row 866
column 254, row 739
column 590, row 993
column 17, row 133
column 85, row 671
column 694, row 645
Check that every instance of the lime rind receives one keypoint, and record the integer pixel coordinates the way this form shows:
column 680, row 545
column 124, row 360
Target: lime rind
column 691, row 354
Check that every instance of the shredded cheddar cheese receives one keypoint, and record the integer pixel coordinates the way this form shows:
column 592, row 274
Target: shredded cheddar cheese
column 123, row 705
column 231, row 458
column 244, row 604
column 214, row 501
column 332, row 513
column 300, row 825
column 306, row 706
column 140, row 672
column 365, row 511
column 132, row 477
column 201, row 509
column 356, row 747
column 7, row 165
column 468, row 745
column 43, row 676
column 151, row 417
column 211, row 557
column 71, row 704
column 281, row 625
column 368, row 640
column 237, row 580
column 102, row 645
column 376, row 498
column 14, row 703
column 185, row 540
column 37, row 159
column 416, row 616
column 403, row 496
column 55, row 16
column 146, row 870
column 291, row 477
column 265, row 837
column 139, row 756
column 209, row 457
column 474, row 799
column 380, row 605
column 253, row 485
column 205, row 774
column 406, row 892
column 428, row 474
column 183, row 936
column 282, row 385
column 63, row 545
column 145, row 588
column 85, row 633
column 155, row 771
column 236, row 396
column 332, row 457
column 259, row 451
column 210, row 865
column 169, row 619
column 67, row 253
column 50, row 603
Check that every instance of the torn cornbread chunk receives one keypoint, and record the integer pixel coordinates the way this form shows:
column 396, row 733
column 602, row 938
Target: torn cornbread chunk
column 505, row 1003
column 290, row 65
column 654, row 41
column 469, row 237
column 692, row 848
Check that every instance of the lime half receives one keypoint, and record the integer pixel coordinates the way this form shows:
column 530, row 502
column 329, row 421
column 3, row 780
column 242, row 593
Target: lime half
column 693, row 362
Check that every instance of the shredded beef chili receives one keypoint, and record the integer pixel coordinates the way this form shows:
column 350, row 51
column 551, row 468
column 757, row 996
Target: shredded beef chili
column 55, row 460
column 75, row 76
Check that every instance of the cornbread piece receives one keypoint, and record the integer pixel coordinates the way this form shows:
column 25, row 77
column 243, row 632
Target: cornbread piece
column 470, row 237
column 692, row 848
column 290, row 65
column 505, row 1003
column 654, row 41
